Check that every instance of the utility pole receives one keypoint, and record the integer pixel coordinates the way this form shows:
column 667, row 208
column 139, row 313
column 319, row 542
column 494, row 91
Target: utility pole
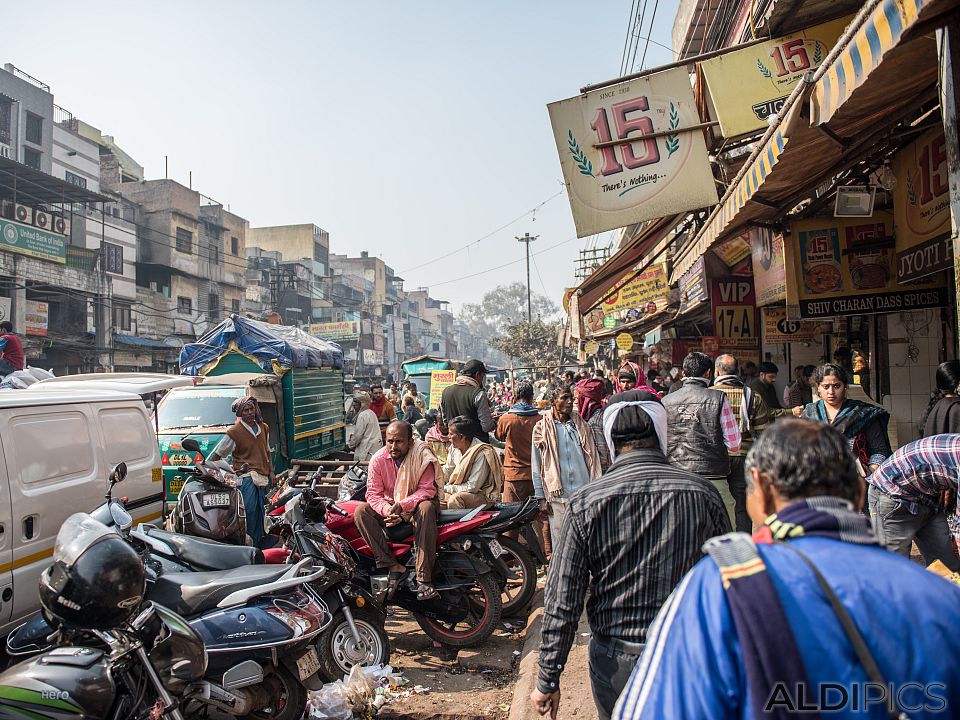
column 526, row 240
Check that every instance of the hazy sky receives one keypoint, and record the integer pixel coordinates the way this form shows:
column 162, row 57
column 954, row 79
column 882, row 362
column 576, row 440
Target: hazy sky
column 408, row 129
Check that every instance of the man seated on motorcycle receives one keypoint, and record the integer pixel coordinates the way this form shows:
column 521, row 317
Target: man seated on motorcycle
column 249, row 442
column 404, row 483
column 473, row 470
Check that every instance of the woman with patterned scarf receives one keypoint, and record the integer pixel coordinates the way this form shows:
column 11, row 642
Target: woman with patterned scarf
column 862, row 424
column 810, row 617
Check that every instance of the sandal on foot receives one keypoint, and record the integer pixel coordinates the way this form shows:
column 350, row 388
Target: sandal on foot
column 426, row 592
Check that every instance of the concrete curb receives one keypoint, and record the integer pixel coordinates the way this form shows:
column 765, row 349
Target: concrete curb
column 576, row 695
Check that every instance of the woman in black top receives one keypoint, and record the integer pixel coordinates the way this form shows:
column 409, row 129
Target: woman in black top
column 943, row 412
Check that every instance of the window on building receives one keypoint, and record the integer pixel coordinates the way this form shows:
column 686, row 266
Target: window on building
column 215, row 253
column 213, row 304
column 184, row 305
column 74, row 179
column 436, row 347
column 6, row 115
column 113, row 258
column 121, row 316
column 235, row 306
column 184, row 240
column 31, row 158
column 34, row 132
column 234, row 246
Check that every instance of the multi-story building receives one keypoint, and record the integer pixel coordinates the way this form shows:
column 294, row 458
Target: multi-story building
column 68, row 252
column 306, row 245
column 191, row 255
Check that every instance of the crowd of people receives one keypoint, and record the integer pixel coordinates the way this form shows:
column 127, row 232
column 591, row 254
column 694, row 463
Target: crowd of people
column 642, row 477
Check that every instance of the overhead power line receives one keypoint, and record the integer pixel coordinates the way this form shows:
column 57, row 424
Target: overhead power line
column 480, row 239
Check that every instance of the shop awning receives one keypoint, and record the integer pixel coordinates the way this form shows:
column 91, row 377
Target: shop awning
column 879, row 72
column 607, row 278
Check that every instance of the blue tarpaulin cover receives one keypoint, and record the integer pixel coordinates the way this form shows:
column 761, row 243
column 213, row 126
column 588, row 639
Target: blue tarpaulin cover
column 270, row 345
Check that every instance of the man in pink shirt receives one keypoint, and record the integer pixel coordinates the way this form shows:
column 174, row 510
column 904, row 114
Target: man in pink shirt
column 402, row 486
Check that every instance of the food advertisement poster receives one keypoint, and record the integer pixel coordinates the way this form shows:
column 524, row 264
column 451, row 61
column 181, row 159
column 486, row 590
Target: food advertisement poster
column 733, row 250
column 921, row 207
column 846, row 267
column 693, row 286
column 618, row 167
column 747, row 86
column 769, row 271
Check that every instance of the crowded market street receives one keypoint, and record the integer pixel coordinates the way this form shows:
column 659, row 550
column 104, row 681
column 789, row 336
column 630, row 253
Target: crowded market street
column 422, row 361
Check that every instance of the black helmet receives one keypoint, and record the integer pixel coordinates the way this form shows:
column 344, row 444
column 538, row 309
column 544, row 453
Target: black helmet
column 96, row 580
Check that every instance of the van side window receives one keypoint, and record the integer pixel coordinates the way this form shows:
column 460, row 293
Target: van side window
column 56, row 445
column 126, row 436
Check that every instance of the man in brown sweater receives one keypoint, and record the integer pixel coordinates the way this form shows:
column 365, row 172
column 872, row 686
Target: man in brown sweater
column 515, row 429
column 248, row 441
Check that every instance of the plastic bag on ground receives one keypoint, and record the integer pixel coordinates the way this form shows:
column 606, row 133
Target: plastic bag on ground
column 328, row 703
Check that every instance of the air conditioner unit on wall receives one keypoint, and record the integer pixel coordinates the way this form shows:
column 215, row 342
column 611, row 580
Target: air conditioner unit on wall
column 60, row 225
column 41, row 219
column 5, row 151
column 23, row 214
column 6, row 209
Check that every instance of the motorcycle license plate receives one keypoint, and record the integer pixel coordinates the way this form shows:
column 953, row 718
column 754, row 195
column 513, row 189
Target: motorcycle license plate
column 308, row 664
column 211, row 500
column 496, row 548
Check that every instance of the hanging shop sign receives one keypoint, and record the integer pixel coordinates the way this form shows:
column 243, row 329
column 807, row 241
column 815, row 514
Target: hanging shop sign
column 439, row 380
column 748, row 86
column 373, row 357
column 777, row 329
column 591, row 347
column 347, row 330
column 646, row 293
column 36, row 319
column 846, row 267
column 921, row 207
column 614, row 185
column 625, row 342
column 693, row 286
column 28, row 240
column 735, row 322
column 5, row 308
column 734, row 250
column 769, row 271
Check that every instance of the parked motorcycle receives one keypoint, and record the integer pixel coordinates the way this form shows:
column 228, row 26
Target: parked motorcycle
column 245, row 638
column 519, row 584
column 357, row 634
column 210, row 504
column 466, row 572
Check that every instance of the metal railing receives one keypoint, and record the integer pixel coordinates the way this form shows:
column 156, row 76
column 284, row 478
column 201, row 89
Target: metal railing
column 61, row 115
column 11, row 68
column 81, row 258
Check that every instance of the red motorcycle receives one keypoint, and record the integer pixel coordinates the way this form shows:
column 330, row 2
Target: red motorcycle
column 466, row 573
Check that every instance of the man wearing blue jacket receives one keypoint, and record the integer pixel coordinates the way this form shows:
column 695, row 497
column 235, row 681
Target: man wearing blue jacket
column 811, row 617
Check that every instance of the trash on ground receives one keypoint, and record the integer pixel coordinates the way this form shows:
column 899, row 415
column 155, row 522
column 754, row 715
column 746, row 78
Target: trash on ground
column 363, row 692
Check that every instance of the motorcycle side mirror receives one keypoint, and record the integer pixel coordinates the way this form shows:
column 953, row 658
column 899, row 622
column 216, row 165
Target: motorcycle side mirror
column 190, row 444
column 116, row 476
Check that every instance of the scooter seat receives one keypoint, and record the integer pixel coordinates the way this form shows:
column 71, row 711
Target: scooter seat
column 191, row 593
column 449, row 516
column 202, row 554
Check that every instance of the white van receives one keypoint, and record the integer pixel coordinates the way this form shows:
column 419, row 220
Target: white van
column 57, row 447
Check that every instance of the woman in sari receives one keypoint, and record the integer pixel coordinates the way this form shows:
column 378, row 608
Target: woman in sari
column 862, row 424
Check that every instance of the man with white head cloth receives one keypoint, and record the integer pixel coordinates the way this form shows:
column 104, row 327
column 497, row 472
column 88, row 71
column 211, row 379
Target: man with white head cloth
column 629, row 536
